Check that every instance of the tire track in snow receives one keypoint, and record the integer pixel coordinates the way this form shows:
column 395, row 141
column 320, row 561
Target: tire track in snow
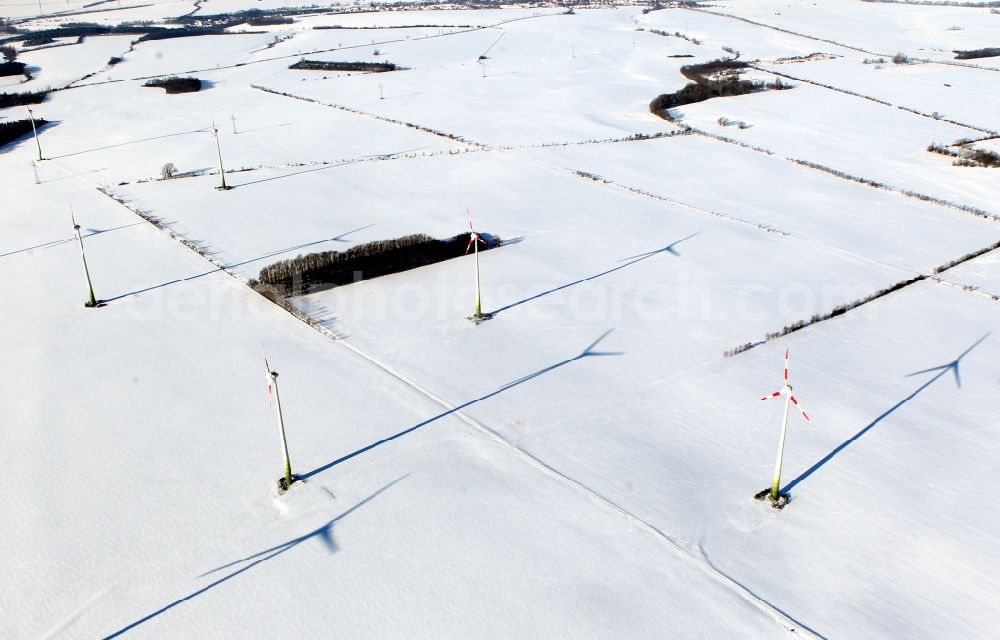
column 790, row 624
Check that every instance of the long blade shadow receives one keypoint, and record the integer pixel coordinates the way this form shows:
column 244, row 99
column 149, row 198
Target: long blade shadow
column 627, row 263
column 296, row 173
column 323, row 532
column 122, row 144
column 55, row 243
column 586, row 353
column 338, row 238
column 942, row 370
column 386, row 156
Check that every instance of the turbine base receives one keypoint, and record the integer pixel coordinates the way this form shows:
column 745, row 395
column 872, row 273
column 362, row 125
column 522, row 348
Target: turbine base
column 479, row 319
column 777, row 505
column 284, row 486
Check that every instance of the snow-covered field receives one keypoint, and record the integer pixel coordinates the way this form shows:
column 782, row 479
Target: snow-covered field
column 583, row 463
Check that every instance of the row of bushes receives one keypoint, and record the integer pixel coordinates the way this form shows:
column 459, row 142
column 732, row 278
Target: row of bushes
column 14, row 129
column 174, row 84
column 302, row 274
column 847, row 46
column 906, row 192
column 324, row 65
column 675, row 34
column 967, row 157
column 411, row 125
column 935, row 115
column 819, row 317
column 844, row 308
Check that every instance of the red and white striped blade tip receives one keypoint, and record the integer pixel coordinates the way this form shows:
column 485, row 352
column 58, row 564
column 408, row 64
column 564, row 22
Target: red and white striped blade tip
column 773, row 395
column 786, row 365
column 469, row 246
column 799, row 407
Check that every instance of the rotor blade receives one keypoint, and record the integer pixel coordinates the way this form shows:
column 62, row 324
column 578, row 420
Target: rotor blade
column 786, row 366
column 72, row 215
column 480, row 238
column 268, row 366
column 799, row 407
column 773, row 395
column 469, row 246
column 469, row 214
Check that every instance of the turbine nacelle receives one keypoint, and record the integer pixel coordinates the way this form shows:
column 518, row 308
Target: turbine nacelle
column 473, row 236
column 786, row 390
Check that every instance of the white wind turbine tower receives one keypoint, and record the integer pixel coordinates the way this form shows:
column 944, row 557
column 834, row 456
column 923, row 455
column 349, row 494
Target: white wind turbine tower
column 786, row 390
column 272, row 386
column 218, row 147
column 474, row 241
column 91, row 300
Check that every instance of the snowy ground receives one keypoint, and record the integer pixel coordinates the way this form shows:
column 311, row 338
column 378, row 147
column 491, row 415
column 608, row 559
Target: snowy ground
column 580, row 465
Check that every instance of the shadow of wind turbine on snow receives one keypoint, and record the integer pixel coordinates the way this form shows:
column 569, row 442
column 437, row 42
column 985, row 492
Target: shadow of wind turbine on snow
column 942, row 370
column 627, row 263
column 323, row 532
column 586, row 353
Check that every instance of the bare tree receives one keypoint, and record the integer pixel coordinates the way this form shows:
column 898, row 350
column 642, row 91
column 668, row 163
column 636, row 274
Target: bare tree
column 168, row 171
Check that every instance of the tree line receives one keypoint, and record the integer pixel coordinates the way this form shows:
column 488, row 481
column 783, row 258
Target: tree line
column 716, row 78
column 324, row 65
column 304, row 273
column 14, row 129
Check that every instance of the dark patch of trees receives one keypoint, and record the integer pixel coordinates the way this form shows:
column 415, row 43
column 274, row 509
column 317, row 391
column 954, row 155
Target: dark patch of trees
column 9, row 53
column 265, row 21
column 990, row 52
column 323, row 65
column 186, row 32
column 83, row 29
column 37, row 42
column 20, row 99
column 113, row 60
column 11, row 68
column 305, row 273
column 14, row 129
column 716, row 78
column 174, row 84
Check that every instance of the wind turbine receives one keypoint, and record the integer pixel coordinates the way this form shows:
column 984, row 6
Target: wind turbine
column 786, row 390
column 218, row 147
column 31, row 116
column 474, row 241
column 91, row 301
column 272, row 384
